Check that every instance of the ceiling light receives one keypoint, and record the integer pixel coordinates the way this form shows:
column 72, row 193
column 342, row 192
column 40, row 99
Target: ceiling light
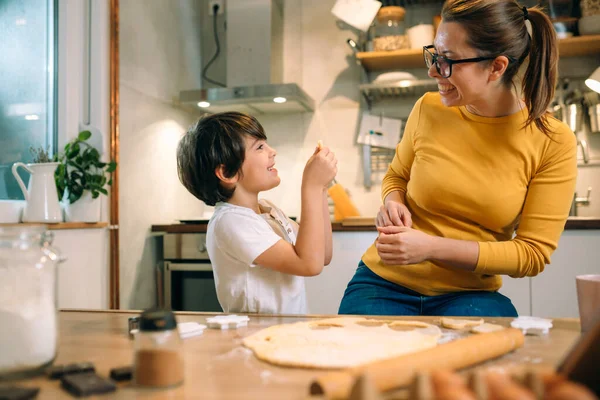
column 21, row 21
column 32, row 117
column 279, row 99
column 203, row 104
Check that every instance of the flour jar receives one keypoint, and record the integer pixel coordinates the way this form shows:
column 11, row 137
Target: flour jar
column 389, row 29
column 28, row 312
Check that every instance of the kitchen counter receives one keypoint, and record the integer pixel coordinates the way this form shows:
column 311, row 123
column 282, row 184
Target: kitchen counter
column 218, row 367
column 573, row 223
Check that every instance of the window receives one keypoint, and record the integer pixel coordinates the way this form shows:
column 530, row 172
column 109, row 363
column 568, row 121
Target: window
column 27, row 85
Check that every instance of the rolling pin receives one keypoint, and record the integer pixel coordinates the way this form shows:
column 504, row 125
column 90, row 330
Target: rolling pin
column 399, row 371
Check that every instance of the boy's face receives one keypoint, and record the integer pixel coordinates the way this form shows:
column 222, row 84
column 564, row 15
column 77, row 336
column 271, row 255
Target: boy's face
column 258, row 170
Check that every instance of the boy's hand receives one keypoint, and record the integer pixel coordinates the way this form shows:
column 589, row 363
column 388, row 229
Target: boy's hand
column 321, row 167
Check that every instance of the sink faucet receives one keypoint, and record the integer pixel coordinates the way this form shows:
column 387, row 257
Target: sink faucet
column 584, row 201
column 585, row 150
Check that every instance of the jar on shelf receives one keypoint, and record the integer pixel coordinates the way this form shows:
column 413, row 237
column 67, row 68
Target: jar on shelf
column 28, row 309
column 390, row 30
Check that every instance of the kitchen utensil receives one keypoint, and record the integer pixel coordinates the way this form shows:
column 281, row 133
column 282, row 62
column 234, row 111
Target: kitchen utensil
column 394, row 76
column 574, row 116
column 353, row 45
column 399, row 371
column 420, row 35
column 357, row 13
column 41, row 197
column 594, row 114
column 344, row 206
column 588, row 299
column 589, row 25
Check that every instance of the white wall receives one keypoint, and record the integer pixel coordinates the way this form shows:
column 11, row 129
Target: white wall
column 159, row 56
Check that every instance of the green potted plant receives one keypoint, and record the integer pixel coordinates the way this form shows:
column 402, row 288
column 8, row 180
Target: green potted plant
column 80, row 179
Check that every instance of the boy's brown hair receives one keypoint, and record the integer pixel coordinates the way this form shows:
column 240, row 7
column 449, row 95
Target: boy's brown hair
column 215, row 140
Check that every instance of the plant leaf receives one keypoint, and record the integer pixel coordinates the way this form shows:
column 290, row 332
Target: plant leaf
column 84, row 135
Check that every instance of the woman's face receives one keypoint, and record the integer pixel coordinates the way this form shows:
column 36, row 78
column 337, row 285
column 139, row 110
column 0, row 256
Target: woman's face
column 468, row 82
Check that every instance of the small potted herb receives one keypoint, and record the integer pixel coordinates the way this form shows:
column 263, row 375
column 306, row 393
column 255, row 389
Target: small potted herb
column 80, row 179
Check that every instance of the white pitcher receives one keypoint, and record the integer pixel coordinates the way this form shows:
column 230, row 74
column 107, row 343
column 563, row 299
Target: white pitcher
column 41, row 197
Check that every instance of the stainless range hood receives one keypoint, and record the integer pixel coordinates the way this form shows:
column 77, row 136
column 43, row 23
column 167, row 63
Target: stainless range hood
column 253, row 63
column 256, row 99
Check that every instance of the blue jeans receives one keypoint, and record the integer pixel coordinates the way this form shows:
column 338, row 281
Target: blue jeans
column 369, row 294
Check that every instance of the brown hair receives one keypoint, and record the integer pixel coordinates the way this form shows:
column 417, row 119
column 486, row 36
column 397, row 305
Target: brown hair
column 215, row 140
column 497, row 27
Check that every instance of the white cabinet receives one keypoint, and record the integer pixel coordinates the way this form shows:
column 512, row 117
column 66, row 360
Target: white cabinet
column 550, row 294
column 325, row 291
column 83, row 279
column 518, row 290
column 554, row 292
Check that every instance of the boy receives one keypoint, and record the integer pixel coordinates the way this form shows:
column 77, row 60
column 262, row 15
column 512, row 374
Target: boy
column 259, row 256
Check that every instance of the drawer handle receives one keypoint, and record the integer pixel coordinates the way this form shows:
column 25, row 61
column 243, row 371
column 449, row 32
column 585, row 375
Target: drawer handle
column 202, row 247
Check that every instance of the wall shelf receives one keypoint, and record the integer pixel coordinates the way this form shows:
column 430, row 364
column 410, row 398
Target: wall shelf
column 377, row 91
column 65, row 225
column 413, row 58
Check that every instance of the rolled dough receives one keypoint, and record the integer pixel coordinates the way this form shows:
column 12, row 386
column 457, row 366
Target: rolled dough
column 340, row 342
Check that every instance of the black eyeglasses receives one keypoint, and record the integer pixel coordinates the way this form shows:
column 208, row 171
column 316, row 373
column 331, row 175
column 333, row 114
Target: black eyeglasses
column 443, row 65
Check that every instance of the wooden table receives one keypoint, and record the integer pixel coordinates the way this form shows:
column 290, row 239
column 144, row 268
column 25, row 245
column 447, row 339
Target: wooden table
column 218, row 367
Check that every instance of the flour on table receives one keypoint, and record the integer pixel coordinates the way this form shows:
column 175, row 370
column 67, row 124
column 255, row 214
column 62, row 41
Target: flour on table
column 340, row 342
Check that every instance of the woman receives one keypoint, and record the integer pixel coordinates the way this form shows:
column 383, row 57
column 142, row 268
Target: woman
column 478, row 162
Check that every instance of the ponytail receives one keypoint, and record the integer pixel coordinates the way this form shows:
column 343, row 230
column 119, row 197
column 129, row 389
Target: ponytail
column 541, row 75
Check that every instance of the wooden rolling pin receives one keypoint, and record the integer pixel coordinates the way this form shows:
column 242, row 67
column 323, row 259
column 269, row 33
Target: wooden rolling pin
column 399, row 371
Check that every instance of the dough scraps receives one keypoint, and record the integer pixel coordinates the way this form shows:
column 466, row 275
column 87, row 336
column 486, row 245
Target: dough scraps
column 340, row 342
column 487, row 328
column 452, row 323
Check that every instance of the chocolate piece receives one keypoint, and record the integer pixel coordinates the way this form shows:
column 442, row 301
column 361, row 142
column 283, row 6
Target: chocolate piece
column 121, row 374
column 58, row 371
column 86, row 384
column 18, row 393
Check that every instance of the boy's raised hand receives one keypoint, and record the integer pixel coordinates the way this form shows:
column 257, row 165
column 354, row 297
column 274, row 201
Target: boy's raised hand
column 321, row 167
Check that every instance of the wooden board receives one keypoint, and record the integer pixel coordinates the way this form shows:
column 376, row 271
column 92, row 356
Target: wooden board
column 358, row 221
column 64, row 225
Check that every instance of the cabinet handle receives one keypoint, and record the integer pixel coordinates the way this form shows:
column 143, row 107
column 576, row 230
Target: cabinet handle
column 202, row 246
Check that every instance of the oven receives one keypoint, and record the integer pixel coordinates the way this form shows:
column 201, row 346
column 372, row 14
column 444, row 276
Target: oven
column 188, row 280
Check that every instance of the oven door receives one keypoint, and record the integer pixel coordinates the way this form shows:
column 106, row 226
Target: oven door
column 190, row 287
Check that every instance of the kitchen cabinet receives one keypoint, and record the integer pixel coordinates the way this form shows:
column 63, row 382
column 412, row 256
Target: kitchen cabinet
column 550, row 294
column 325, row 291
column 554, row 292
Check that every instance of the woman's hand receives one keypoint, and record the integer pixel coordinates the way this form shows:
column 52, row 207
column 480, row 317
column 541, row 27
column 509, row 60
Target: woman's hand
column 393, row 213
column 400, row 245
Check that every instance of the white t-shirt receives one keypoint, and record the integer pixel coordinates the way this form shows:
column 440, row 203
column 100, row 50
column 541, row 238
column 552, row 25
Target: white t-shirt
column 235, row 237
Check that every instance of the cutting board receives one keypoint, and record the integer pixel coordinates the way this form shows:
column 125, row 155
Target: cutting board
column 358, row 221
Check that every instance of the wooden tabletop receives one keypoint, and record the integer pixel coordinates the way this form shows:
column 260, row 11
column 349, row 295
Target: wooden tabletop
column 217, row 366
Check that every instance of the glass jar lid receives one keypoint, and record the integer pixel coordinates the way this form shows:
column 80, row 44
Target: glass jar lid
column 157, row 320
column 394, row 13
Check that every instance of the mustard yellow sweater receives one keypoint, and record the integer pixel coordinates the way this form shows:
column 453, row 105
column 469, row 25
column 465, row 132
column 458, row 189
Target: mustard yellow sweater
column 476, row 178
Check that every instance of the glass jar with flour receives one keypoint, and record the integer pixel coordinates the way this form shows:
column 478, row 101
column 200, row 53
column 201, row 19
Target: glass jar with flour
column 28, row 316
